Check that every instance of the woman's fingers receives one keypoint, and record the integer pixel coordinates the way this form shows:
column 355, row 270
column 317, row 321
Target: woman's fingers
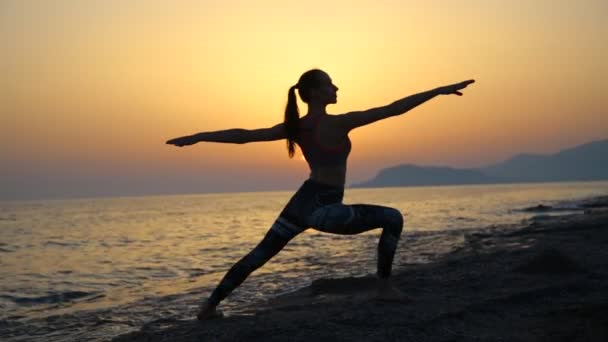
column 177, row 142
column 465, row 83
column 461, row 85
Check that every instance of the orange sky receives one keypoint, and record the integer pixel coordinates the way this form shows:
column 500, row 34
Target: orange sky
column 92, row 89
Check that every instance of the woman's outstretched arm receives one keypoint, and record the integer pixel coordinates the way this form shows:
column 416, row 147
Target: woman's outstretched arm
column 233, row 136
column 353, row 120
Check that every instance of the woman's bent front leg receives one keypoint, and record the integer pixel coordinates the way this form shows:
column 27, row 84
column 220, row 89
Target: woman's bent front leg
column 339, row 218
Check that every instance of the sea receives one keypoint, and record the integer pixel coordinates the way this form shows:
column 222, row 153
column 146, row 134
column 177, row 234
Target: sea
column 92, row 269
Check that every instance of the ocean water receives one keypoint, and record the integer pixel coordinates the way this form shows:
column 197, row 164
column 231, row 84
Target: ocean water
column 95, row 268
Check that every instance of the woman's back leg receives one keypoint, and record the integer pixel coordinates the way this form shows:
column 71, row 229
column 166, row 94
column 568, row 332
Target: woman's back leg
column 281, row 232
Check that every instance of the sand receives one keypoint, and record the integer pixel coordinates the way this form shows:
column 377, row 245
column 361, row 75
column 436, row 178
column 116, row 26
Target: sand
column 543, row 280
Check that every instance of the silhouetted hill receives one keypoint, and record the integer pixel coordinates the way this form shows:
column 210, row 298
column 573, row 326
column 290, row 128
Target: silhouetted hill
column 582, row 163
column 408, row 175
column 586, row 162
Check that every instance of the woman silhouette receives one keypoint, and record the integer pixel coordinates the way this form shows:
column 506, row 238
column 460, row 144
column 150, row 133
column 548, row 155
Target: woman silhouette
column 324, row 141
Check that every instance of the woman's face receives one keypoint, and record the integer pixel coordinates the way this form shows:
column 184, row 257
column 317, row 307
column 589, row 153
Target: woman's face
column 326, row 93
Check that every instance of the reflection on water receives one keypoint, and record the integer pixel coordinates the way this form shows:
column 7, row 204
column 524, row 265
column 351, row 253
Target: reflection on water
column 64, row 256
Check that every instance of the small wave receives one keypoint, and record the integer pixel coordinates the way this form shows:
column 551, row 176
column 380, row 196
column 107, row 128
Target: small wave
column 541, row 208
column 465, row 219
column 195, row 272
column 144, row 268
column 53, row 298
column 176, row 213
column 164, row 273
column 36, row 275
column 126, row 241
column 61, row 244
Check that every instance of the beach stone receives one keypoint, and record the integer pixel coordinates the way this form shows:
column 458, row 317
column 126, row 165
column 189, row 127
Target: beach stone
column 550, row 261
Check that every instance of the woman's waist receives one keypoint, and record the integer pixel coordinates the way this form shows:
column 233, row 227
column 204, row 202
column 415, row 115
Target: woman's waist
column 331, row 176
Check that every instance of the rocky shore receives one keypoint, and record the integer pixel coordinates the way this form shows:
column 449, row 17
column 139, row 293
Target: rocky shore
column 544, row 280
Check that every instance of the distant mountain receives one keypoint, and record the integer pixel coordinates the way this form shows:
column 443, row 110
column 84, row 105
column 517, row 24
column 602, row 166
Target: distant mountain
column 582, row 163
column 585, row 163
column 410, row 175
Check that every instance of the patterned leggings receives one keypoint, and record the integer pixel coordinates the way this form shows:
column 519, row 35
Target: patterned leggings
column 318, row 206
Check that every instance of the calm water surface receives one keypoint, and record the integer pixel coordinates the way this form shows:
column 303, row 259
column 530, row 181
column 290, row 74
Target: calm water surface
column 95, row 268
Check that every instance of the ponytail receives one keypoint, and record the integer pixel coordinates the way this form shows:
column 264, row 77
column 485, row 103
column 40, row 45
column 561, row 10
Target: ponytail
column 292, row 115
column 308, row 81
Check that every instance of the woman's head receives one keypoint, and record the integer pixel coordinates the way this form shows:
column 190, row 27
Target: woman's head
column 315, row 87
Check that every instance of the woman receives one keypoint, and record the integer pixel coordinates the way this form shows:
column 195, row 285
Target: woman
column 324, row 141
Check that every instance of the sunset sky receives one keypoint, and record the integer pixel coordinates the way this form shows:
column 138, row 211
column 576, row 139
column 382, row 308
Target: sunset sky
column 91, row 90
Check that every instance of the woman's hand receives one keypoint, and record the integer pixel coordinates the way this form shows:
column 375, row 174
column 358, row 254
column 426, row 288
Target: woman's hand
column 182, row 141
column 454, row 88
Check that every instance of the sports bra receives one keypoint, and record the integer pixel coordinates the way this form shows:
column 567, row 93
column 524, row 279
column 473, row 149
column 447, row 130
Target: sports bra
column 317, row 155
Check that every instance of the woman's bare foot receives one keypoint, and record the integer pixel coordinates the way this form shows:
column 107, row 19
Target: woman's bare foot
column 386, row 291
column 208, row 311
